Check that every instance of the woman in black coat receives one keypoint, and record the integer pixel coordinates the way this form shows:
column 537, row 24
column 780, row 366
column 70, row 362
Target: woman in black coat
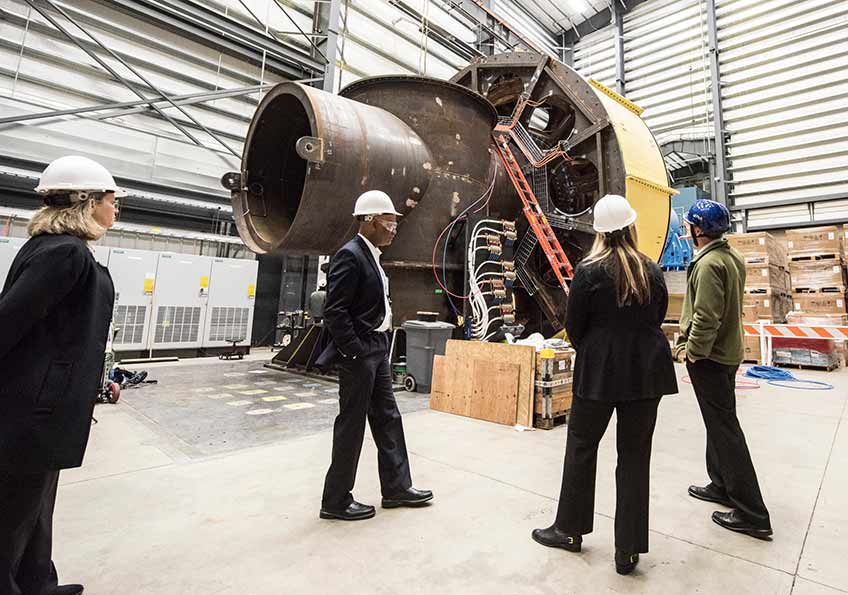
column 55, row 310
column 616, row 307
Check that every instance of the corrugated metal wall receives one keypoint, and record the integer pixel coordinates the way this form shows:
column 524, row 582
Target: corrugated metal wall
column 785, row 86
column 784, row 91
column 594, row 56
column 666, row 70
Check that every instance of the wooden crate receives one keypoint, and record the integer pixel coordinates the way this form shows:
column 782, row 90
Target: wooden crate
column 488, row 381
column 814, row 242
column 760, row 278
column 560, row 402
column 770, row 306
column 759, row 248
column 818, row 276
column 563, row 361
column 819, row 303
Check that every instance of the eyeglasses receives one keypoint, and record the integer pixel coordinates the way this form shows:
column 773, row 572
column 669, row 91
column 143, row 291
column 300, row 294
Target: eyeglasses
column 388, row 225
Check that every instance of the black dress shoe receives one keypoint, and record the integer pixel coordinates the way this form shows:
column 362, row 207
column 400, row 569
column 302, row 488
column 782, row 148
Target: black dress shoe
column 354, row 512
column 624, row 562
column 410, row 497
column 710, row 493
column 735, row 521
column 554, row 537
column 68, row 590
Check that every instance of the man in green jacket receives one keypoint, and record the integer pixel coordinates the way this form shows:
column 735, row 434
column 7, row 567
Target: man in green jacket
column 711, row 343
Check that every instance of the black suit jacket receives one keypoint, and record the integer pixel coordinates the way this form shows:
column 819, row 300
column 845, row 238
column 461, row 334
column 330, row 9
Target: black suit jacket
column 54, row 319
column 355, row 304
column 622, row 353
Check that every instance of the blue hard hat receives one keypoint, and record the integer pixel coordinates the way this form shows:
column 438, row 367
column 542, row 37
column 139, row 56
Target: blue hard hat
column 712, row 217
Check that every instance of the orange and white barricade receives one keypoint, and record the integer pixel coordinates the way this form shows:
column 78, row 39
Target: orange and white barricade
column 767, row 331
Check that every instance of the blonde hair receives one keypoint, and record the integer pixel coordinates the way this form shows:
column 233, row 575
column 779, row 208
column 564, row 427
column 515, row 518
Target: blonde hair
column 76, row 219
column 618, row 253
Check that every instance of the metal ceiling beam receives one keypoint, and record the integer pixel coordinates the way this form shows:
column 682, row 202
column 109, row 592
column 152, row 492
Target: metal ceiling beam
column 215, row 30
column 189, row 99
column 131, row 69
column 720, row 134
column 599, row 20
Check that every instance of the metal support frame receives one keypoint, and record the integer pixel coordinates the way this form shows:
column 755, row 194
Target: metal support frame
column 618, row 41
column 123, row 81
column 325, row 23
column 215, row 30
column 721, row 174
column 128, row 107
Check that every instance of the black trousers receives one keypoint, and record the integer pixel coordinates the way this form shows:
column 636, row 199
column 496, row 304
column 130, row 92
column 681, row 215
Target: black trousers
column 634, row 434
column 365, row 392
column 26, row 532
column 729, row 464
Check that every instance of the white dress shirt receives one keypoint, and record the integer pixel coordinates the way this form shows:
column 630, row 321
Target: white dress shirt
column 386, row 325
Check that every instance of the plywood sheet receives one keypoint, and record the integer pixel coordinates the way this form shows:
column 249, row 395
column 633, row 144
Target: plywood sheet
column 494, row 395
column 461, row 355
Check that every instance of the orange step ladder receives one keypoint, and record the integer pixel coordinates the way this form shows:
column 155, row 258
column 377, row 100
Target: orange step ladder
column 532, row 210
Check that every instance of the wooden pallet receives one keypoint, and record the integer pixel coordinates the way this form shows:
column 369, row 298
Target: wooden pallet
column 840, row 289
column 800, row 255
column 829, row 368
column 549, row 423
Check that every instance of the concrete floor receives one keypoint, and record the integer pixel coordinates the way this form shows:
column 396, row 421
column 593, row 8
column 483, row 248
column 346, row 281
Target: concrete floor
column 183, row 493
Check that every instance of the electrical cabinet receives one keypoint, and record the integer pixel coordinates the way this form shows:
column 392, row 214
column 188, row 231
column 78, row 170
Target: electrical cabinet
column 101, row 254
column 134, row 276
column 180, row 299
column 8, row 250
column 232, row 294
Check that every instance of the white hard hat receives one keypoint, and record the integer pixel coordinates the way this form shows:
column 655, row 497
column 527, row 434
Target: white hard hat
column 613, row 213
column 77, row 176
column 374, row 202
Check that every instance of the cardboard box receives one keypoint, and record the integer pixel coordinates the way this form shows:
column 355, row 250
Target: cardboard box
column 752, row 350
column 761, row 277
column 815, row 275
column 675, row 307
column 772, row 306
column 759, row 248
column 819, row 303
column 814, row 240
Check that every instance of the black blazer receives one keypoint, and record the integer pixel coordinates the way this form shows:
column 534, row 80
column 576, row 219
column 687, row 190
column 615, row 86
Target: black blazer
column 622, row 353
column 355, row 304
column 54, row 314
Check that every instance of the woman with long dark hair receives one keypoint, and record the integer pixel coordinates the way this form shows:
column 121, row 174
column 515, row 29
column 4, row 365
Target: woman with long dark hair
column 616, row 307
column 54, row 319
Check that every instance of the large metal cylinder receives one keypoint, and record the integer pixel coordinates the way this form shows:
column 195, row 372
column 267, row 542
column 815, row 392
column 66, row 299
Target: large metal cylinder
column 308, row 155
column 428, row 144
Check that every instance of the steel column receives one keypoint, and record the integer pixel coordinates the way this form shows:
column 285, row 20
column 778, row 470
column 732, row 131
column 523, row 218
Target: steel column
column 325, row 23
column 718, row 115
column 618, row 41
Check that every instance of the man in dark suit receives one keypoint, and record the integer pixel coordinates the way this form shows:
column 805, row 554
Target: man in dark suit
column 358, row 316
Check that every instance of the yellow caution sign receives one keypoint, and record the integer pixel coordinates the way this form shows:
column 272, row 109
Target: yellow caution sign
column 204, row 282
column 547, row 354
column 251, row 290
column 149, row 284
